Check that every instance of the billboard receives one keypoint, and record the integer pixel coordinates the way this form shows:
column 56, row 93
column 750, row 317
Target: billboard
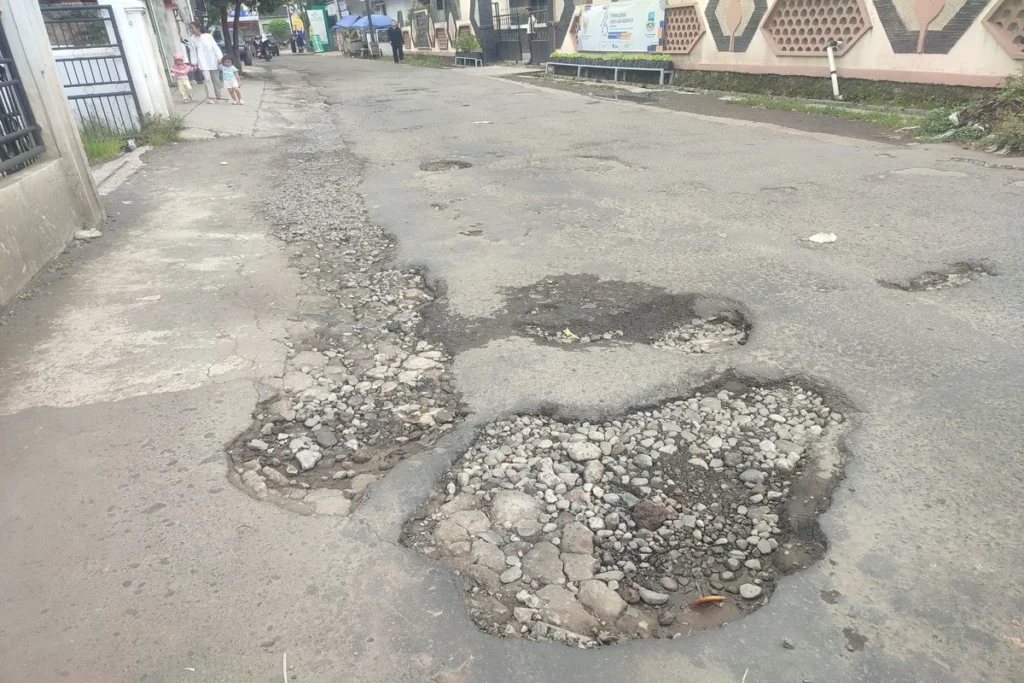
column 631, row 26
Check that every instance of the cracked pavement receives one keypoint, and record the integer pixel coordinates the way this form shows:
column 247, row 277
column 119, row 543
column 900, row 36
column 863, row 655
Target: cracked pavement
column 130, row 557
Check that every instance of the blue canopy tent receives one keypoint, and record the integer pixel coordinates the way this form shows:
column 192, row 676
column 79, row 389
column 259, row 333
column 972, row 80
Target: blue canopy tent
column 378, row 21
column 352, row 21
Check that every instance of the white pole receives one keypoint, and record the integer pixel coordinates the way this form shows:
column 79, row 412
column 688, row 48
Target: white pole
column 829, row 47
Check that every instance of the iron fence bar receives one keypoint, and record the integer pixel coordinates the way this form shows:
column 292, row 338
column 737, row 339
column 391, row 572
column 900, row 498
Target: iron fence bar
column 14, row 163
column 18, row 134
column 22, row 137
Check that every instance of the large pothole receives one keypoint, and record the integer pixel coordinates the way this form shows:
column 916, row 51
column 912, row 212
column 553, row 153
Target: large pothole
column 661, row 523
column 949, row 276
column 579, row 310
column 444, row 165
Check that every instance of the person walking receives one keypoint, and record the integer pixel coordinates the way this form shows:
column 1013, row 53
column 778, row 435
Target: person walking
column 531, row 31
column 397, row 41
column 229, row 76
column 207, row 55
column 180, row 71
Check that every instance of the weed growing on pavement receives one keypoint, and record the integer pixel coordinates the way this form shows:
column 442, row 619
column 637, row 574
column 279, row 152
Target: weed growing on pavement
column 430, row 61
column 99, row 142
column 887, row 119
column 160, row 130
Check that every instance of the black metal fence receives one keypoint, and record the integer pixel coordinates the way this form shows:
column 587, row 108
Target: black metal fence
column 513, row 41
column 20, row 139
column 90, row 58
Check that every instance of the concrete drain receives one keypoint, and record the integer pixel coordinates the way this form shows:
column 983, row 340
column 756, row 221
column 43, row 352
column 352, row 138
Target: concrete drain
column 661, row 523
column 954, row 275
column 444, row 165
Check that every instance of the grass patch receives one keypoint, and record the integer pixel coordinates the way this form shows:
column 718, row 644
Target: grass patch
column 102, row 143
column 886, row 119
column 99, row 143
column 160, row 131
column 614, row 56
column 881, row 93
column 432, row 61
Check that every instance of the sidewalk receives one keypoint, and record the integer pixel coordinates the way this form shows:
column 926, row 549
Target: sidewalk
column 203, row 120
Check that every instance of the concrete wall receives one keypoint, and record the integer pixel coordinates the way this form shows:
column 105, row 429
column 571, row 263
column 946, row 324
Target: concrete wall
column 964, row 43
column 42, row 205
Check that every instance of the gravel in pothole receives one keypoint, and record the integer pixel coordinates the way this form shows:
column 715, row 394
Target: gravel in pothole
column 592, row 533
column 953, row 275
column 366, row 389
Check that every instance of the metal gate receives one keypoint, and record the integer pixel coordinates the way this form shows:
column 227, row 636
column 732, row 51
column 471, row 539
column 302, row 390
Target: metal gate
column 90, row 58
column 20, row 139
column 514, row 45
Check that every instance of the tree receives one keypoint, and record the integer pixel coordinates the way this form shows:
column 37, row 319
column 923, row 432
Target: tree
column 280, row 29
column 231, row 36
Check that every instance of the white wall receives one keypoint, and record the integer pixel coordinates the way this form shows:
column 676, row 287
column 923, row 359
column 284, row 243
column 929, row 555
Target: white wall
column 139, row 45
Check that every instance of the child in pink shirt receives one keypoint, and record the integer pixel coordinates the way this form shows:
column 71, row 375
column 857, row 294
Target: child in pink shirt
column 180, row 72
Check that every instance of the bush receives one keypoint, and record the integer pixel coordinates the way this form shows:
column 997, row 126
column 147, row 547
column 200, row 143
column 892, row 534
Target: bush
column 467, row 42
column 102, row 143
column 280, row 29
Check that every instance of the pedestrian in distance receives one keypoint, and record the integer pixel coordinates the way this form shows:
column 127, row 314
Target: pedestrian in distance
column 207, row 55
column 397, row 41
column 180, row 72
column 229, row 75
column 531, row 31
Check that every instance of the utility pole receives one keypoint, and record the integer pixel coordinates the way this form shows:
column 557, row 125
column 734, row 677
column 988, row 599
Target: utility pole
column 369, row 27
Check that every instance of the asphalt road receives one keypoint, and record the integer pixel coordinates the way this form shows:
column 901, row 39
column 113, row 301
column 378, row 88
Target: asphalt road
column 129, row 556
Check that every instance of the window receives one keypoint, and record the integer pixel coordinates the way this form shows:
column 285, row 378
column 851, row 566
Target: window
column 20, row 142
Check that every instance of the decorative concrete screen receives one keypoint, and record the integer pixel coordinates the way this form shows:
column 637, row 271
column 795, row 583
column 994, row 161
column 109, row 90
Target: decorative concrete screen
column 1006, row 23
column 804, row 27
column 442, row 38
column 683, row 28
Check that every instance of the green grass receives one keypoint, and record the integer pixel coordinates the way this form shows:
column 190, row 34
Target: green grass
column 100, row 145
column 614, row 56
column 103, row 144
column 886, row 119
column 881, row 93
column 432, row 61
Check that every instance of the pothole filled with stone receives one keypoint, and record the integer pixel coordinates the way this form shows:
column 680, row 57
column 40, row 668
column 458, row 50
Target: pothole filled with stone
column 444, row 165
column 703, row 335
column 362, row 387
column 661, row 523
column 953, row 275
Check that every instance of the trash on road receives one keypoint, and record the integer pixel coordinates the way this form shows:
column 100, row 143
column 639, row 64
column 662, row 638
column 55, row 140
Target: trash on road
column 822, row 237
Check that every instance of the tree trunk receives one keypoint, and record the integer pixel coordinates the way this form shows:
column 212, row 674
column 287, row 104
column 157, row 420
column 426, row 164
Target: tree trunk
column 234, row 37
column 224, row 29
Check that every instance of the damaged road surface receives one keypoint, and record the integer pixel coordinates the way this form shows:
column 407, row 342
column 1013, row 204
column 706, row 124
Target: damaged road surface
column 380, row 394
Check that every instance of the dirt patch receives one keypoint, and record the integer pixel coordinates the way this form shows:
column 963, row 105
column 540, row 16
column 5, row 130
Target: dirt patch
column 659, row 523
column 949, row 276
column 444, row 165
column 578, row 310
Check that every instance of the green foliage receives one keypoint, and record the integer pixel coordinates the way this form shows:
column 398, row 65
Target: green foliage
column 882, row 93
column 158, row 131
column 280, row 29
column 99, row 142
column 102, row 143
column 613, row 56
column 935, row 122
column 467, row 42
column 888, row 119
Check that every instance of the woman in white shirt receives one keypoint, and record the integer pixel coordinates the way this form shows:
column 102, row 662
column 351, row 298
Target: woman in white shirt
column 207, row 55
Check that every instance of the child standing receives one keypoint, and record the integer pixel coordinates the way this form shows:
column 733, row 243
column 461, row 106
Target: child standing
column 229, row 75
column 180, row 72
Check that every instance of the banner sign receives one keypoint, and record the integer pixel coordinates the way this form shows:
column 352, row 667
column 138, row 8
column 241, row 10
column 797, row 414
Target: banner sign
column 630, row 26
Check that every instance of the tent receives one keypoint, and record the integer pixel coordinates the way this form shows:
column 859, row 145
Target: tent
column 352, row 21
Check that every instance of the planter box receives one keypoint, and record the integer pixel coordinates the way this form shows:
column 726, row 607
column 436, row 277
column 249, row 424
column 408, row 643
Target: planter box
column 662, row 64
column 470, row 55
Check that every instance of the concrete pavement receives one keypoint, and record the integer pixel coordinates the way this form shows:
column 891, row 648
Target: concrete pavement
column 130, row 556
